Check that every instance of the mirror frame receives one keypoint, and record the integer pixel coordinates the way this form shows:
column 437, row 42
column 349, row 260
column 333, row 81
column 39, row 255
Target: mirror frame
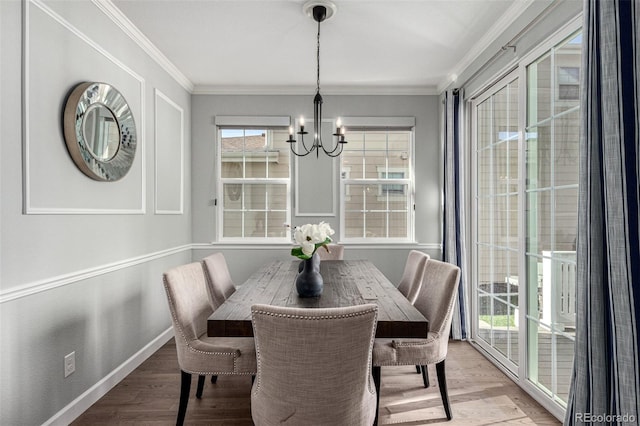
column 83, row 96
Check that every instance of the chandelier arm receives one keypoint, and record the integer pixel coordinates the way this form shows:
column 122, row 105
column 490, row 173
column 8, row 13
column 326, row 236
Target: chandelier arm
column 300, row 155
column 335, row 148
column 334, row 154
column 304, row 145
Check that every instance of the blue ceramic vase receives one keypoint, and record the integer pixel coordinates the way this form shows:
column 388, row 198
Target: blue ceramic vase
column 309, row 282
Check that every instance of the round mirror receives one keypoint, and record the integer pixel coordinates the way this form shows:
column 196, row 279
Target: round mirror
column 99, row 131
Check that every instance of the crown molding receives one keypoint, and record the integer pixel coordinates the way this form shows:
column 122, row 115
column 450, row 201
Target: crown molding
column 116, row 15
column 309, row 90
column 501, row 25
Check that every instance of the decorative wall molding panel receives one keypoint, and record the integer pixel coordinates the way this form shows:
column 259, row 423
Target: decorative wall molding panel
column 316, row 180
column 52, row 184
column 169, row 159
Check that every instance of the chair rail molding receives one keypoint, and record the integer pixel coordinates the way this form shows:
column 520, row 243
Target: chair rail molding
column 46, row 284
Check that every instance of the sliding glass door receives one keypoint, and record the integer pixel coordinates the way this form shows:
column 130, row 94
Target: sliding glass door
column 552, row 135
column 496, row 231
column 525, row 130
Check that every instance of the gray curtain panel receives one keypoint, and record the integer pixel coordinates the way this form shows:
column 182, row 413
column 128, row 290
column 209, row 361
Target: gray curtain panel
column 453, row 246
column 606, row 378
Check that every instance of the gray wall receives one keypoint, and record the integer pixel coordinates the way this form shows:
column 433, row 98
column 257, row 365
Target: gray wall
column 390, row 260
column 81, row 260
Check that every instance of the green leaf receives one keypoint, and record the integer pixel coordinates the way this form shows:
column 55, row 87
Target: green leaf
column 327, row 241
column 297, row 252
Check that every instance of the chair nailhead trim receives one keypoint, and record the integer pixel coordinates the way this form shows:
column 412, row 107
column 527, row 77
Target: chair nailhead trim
column 218, row 373
column 321, row 317
column 420, row 342
column 235, row 353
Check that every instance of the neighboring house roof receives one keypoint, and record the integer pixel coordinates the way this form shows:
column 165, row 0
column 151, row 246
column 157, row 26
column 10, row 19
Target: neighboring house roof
column 247, row 149
column 247, row 143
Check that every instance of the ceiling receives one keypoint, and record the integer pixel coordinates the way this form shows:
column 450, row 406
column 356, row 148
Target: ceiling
column 243, row 46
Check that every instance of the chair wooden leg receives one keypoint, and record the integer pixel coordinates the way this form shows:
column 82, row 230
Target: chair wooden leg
column 214, row 379
column 377, row 376
column 418, row 369
column 442, row 384
column 185, row 387
column 200, row 386
column 425, row 375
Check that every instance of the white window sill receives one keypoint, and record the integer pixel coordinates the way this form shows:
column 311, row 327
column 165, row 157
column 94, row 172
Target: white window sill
column 243, row 245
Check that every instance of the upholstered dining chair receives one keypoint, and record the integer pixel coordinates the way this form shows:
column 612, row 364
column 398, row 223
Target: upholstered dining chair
column 411, row 280
column 186, row 290
column 331, row 252
column 410, row 284
column 314, row 365
column 435, row 301
column 219, row 280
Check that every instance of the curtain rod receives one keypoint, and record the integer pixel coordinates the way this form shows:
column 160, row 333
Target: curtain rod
column 511, row 43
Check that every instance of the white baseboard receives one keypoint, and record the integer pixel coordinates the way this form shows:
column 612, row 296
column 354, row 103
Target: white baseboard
column 79, row 405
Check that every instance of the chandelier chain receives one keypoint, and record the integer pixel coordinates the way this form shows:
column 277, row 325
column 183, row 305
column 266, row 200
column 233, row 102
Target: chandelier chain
column 318, row 58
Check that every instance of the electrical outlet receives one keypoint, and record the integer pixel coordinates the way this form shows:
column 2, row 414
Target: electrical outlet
column 69, row 363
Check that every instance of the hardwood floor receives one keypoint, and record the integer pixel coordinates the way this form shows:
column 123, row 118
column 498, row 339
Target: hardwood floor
column 480, row 394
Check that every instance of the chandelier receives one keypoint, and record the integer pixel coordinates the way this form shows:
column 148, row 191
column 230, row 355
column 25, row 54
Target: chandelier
column 319, row 10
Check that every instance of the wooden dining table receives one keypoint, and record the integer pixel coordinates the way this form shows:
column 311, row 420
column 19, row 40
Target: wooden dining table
column 346, row 283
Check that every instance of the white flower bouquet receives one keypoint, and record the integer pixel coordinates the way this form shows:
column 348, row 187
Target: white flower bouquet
column 310, row 238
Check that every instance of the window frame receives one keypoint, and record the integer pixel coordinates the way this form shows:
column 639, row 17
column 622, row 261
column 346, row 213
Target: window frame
column 378, row 124
column 253, row 123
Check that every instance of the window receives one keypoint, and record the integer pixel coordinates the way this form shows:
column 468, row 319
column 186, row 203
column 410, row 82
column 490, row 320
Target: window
column 254, row 176
column 377, row 185
column 568, row 83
